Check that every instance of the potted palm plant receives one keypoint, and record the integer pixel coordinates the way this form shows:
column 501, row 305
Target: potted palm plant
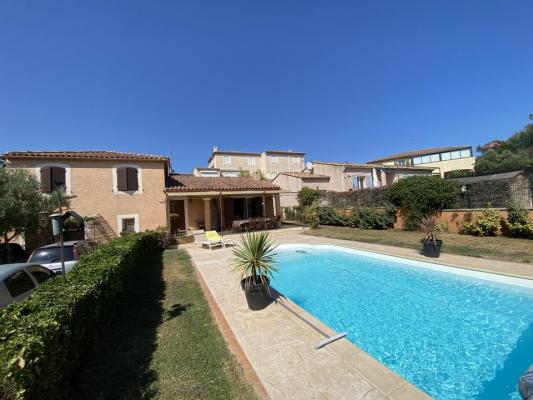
column 254, row 258
column 431, row 243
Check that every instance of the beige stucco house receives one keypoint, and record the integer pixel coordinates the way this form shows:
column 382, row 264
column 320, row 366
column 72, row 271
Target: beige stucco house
column 125, row 191
column 269, row 162
column 345, row 176
column 441, row 159
column 292, row 182
column 128, row 192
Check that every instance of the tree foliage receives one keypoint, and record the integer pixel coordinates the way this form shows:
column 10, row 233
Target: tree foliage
column 20, row 202
column 420, row 196
column 512, row 154
column 308, row 196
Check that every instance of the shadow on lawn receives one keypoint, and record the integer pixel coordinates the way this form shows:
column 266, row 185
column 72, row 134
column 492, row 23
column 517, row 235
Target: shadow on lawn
column 121, row 368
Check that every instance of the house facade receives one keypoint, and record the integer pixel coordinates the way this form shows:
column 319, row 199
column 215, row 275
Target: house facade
column 269, row 163
column 292, row 182
column 441, row 159
column 345, row 176
column 127, row 192
column 123, row 191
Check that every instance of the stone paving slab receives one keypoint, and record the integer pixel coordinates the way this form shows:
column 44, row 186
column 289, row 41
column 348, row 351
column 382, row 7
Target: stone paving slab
column 279, row 342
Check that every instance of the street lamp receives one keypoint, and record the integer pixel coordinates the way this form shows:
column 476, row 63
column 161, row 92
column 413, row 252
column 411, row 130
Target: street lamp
column 57, row 228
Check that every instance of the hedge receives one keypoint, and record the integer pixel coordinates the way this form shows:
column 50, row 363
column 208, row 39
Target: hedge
column 44, row 339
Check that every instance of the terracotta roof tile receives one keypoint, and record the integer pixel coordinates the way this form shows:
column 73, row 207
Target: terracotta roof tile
column 421, row 152
column 304, row 175
column 98, row 154
column 296, row 153
column 187, row 183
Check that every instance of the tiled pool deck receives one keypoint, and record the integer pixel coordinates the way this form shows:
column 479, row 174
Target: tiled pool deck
column 275, row 346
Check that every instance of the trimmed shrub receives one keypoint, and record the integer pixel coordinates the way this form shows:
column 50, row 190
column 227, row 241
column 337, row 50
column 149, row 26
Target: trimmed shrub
column 311, row 215
column 44, row 339
column 419, row 196
column 308, row 197
column 487, row 224
column 517, row 224
column 373, row 218
column 328, row 216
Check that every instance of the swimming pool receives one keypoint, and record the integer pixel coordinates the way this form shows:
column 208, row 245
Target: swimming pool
column 454, row 333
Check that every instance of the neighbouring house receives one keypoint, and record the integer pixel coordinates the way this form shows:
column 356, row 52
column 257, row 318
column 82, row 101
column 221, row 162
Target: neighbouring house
column 216, row 172
column 200, row 202
column 292, row 182
column 441, row 159
column 123, row 192
column 345, row 176
column 268, row 163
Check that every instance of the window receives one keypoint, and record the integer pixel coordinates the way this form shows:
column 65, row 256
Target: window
column 295, row 160
column 417, row 160
column 434, row 158
column 445, row 156
column 426, row 159
column 52, row 178
column 455, row 155
column 273, row 159
column 369, row 181
column 355, row 182
column 128, row 225
column 40, row 274
column 401, row 162
column 210, row 173
column 227, row 160
column 18, row 283
column 251, row 160
column 465, row 153
column 127, row 179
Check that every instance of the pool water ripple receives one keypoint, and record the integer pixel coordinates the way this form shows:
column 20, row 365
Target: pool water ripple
column 455, row 337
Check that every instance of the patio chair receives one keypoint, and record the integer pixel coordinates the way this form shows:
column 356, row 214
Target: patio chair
column 214, row 236
column 201, row 239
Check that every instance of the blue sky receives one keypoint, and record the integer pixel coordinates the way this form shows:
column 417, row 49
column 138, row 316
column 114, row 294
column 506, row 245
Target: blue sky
column 342, row 80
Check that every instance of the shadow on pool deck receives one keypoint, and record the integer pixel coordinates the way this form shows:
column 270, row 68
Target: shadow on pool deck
column 506, row 380
column 121, row 367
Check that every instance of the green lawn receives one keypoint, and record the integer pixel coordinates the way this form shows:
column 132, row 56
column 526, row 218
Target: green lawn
column 165, row 343
column 497, row 248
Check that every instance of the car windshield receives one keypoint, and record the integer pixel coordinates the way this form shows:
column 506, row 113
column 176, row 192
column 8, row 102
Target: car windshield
column 52, row 255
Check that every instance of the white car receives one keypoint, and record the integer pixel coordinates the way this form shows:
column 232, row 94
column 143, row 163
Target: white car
column 17, row 281
column 49, row 256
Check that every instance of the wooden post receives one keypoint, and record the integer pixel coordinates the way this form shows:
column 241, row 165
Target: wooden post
column 222, row 222
column 207, row 213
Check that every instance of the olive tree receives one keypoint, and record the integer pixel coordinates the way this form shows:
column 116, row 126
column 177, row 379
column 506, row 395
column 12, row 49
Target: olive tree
column 21, row 200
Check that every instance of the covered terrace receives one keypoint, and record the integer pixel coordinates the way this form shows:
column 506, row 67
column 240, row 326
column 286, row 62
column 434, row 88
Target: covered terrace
column 219, row 203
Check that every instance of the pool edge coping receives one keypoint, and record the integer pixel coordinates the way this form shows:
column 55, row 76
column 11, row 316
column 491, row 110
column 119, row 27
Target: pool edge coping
column 349, row 353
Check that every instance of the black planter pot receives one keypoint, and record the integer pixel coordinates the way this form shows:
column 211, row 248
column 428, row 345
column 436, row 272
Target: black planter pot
column 431, row 248
column 257, row 292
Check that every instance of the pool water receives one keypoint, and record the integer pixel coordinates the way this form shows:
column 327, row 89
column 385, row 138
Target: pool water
column 453, row 336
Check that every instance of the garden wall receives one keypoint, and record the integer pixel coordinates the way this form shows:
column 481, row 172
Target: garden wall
column 455, row 217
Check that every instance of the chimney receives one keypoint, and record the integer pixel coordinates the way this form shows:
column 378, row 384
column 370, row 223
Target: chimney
column 215, row 149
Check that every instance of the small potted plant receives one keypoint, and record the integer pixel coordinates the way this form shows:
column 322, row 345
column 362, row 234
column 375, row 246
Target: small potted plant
column 431, row 244
column 254, row 258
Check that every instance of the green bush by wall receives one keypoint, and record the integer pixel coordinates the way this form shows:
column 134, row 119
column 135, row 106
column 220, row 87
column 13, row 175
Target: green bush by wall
column 420, row 196
column 44, row 338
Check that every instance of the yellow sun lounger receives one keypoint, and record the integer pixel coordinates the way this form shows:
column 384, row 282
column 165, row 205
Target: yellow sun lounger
column 214, row 236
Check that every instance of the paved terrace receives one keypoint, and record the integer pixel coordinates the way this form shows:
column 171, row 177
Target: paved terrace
column 276, row 345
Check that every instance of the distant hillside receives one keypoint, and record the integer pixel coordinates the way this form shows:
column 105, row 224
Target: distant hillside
column 507, row 155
